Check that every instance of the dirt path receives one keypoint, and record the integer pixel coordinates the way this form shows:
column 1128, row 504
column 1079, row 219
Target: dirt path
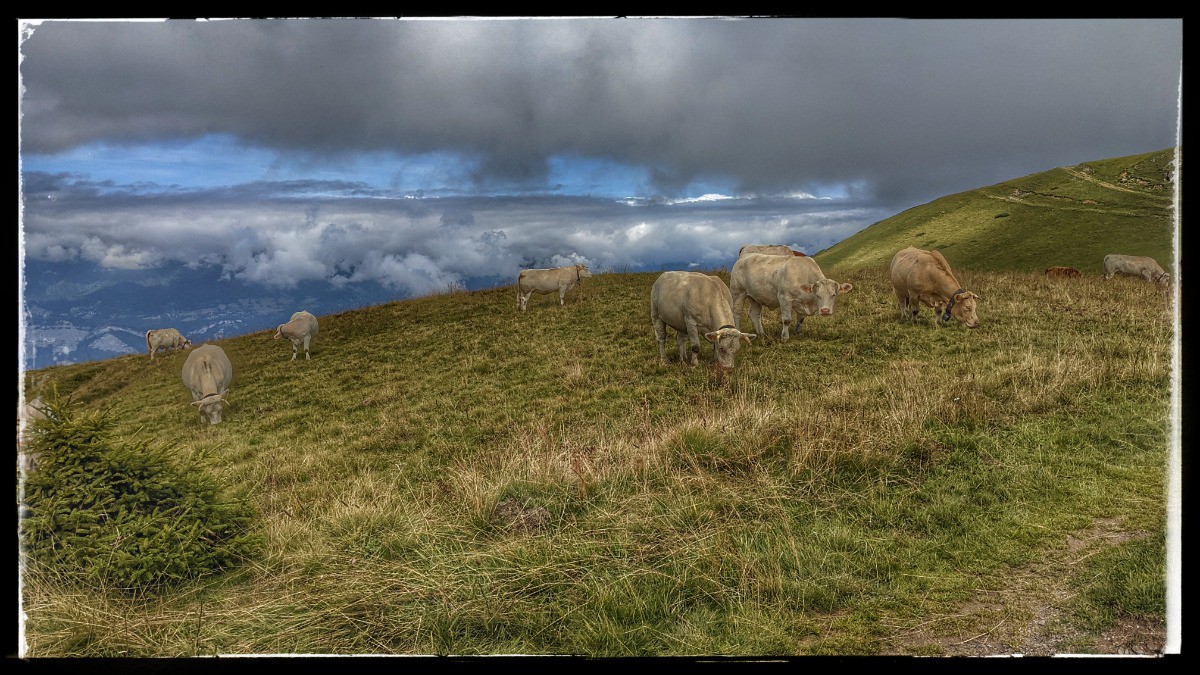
column 1031, row 615
column 1101, row 183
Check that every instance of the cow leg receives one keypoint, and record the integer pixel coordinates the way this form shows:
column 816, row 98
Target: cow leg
column 306, row 339
column 756, row 317
column 562, row 295
column 523, row 299
column 660, row 336
column 693, row 334
column 785, row 317
column 681, row 338
column 295, row 349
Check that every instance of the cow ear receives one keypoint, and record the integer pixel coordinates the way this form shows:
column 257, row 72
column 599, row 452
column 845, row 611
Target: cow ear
column 748, row 337
column 845, row 288
column 197, row 403
column 807, row 288
column 711, row 337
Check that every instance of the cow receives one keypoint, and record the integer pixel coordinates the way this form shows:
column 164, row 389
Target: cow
column 921, row 276
column 693, row 303
column 1136, row 266
column 207, row 373
column 784, row 283
column 1060, row 272
column 165, row 338
column 561, row 279
column 300, row 329
column 768, row 249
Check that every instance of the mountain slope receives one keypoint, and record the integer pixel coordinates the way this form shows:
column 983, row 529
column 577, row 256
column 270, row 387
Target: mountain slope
column 450, row 475
column 1065, row 216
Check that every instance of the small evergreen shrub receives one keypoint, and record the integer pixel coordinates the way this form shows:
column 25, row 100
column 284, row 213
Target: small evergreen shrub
column 123, row 515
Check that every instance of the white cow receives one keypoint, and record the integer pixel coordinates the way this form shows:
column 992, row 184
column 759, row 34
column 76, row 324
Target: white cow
column 207, row 373
column 165, row 338
column 561, row 279
column 784, row 283
column 693, row 303
column 768, row 249
column 301, row 329
column 1135, row 266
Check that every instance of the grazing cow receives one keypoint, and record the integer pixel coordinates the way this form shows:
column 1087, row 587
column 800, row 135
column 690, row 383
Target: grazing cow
column 783, row 283
column 692, row 303
column 561, row 279
column 768, row 249
column 921, row 276
column 1063, row 272
column 300, row 329
column 165, row 338
column 1136, row 266
column 207, row 373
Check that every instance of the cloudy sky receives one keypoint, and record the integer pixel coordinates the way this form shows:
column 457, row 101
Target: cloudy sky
column 420, row 153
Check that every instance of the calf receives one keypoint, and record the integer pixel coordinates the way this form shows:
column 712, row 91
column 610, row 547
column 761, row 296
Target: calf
column 1062, row 272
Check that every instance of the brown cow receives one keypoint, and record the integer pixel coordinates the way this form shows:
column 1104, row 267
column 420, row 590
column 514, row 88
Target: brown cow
column 921, row 276
column 1061, row 272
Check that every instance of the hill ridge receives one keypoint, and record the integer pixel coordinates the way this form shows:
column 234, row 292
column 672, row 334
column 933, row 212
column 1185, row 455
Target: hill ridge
column 1067, row 215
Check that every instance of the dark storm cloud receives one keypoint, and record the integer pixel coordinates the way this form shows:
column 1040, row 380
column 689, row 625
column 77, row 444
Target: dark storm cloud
column 906, row 110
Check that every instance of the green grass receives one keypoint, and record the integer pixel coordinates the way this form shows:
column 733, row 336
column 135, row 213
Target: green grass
column 864, row 474
column 1070, row 216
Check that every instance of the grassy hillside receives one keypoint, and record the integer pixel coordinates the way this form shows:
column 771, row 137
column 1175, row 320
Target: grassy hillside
column 1070, row 216
column 448, row 475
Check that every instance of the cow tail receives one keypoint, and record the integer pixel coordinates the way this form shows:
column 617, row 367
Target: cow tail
column 519, row 276
column 148, row 348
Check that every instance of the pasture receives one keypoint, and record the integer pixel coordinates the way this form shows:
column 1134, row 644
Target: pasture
column 449, row 475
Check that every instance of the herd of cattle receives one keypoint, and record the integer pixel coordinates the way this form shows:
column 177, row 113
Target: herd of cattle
column 691, row 303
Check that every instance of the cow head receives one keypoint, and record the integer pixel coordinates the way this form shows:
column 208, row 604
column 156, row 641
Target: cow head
column 582, row 271
column 727, row 340
column 279, row 331
column 1163, row 279
column 826, row 292
column 962, row 307
column 210, row 407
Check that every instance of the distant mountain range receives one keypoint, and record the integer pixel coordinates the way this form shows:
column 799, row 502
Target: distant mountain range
column 77, row 312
